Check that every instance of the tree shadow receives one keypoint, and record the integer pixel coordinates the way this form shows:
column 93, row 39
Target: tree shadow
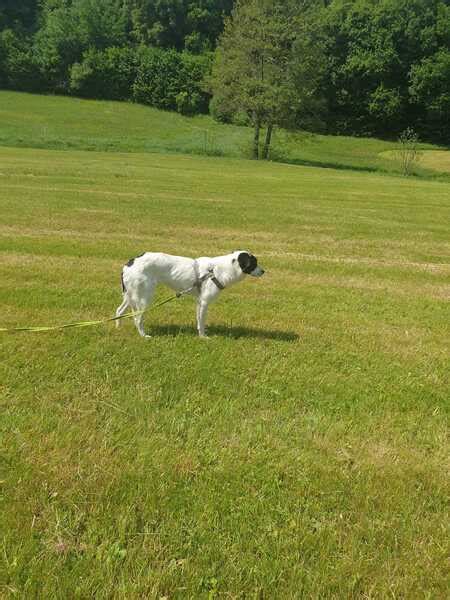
column 224, row 331
column 330, row 165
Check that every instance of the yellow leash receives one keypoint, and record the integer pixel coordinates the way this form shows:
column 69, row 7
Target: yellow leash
column 208, row 275
column 90, row 323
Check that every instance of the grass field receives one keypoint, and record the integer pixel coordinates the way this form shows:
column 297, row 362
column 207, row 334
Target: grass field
column 301, row 452
column 53, row 122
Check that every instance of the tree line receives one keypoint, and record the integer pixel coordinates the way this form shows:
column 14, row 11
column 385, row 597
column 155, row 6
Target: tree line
column 359, row 67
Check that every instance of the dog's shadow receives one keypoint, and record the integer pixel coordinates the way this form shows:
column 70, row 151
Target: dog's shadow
column 226, row 332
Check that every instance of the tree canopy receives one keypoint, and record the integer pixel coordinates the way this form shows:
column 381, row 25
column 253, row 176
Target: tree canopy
column 384, row 64
column 377, row 49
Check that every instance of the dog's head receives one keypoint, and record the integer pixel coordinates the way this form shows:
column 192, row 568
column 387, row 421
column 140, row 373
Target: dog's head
column 247, row 263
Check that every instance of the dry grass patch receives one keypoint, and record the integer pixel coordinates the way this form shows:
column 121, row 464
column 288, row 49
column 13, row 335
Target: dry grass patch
column 438, row 160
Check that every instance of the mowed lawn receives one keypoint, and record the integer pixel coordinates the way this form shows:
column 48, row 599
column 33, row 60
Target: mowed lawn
column 300, row 452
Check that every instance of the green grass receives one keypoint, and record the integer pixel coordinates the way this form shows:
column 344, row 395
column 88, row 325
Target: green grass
column 300, row 452
column 60, row 123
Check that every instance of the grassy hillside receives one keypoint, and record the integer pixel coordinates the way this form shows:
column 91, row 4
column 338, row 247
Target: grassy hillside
column 68, row 123
column 300, row 452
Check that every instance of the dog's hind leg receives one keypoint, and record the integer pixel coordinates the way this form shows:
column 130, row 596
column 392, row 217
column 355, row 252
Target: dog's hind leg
column 139, row 322
column 122, row 308
column 140, row 300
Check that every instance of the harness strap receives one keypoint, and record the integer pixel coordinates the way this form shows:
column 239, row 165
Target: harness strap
column 217, row 282
column 208, row 275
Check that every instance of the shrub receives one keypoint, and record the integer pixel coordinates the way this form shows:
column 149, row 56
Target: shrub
column 157, row 77
column 219, row 112
column 105, row 74
column 188, row 104
column 195, row 68
column 171, row 80
column 409, row 153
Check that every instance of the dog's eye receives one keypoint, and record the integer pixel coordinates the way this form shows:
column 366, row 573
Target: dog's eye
column 234, row 260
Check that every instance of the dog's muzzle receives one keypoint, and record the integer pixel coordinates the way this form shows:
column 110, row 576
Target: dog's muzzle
column 258, row 272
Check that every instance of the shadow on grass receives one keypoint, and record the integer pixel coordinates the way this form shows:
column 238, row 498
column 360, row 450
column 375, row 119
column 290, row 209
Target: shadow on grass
column 330, row 165
column 223, row 331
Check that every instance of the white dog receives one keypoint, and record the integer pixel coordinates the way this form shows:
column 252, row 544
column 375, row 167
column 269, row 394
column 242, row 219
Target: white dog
column 202, row 277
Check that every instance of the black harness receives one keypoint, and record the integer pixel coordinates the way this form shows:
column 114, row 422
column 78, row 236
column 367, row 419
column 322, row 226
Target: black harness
column 208, row 275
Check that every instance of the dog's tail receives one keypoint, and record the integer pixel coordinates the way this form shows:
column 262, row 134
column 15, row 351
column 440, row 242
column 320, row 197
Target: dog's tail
column 125, row 302
column 128, row 264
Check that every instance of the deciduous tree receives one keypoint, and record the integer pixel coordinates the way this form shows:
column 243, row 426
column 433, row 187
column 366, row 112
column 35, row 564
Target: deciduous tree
column 268, row 66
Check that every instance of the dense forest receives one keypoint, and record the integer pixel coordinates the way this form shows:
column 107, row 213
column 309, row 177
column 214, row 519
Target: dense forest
column 384, row 64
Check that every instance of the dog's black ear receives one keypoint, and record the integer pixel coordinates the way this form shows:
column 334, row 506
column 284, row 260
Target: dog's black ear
column 244, row 260
column 247, row 262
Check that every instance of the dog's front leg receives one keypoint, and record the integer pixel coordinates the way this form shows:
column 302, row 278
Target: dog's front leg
column 202, row 309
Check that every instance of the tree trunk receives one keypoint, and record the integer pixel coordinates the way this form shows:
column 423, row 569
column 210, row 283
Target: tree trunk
column 267, row 142
column 256, row 137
